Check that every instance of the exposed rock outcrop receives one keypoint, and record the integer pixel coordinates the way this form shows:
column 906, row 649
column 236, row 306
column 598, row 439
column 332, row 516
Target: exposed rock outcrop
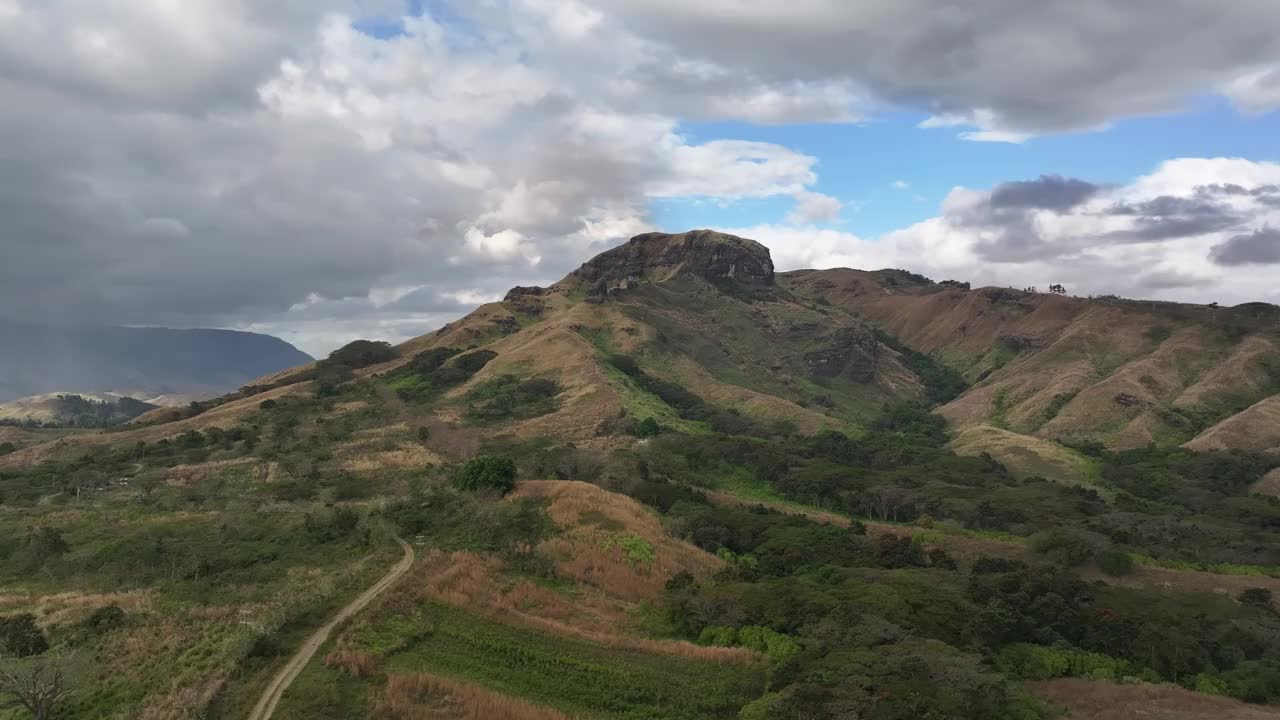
column 707, row 254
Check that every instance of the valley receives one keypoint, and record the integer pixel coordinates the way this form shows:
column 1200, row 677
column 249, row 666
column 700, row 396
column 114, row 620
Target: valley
column 677, row 484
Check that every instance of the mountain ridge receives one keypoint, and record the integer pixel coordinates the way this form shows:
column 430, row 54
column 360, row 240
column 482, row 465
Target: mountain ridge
column 705, row 312
column 36, row 360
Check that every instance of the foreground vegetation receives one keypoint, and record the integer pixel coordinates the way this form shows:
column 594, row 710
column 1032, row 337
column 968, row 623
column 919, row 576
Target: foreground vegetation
column 170, row 578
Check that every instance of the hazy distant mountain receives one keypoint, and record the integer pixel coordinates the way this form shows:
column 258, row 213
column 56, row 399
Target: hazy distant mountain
column 37, row 360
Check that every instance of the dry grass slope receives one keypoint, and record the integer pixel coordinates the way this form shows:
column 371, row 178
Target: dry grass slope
column 1100, row 700
column 430, row 697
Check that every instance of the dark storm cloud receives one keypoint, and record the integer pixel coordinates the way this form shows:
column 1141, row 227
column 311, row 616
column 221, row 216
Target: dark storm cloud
column 1260, row 247
column 1048, row 192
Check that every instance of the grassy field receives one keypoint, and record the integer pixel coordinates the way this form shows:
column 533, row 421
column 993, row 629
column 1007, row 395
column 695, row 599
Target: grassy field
column 580, row 678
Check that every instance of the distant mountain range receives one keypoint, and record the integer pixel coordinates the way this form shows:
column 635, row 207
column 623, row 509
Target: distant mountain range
column 37, row 360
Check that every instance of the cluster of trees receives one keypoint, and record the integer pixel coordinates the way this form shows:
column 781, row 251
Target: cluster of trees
column 432, row 372
column 509, row 397
column 1166, row 503
column 884, row 627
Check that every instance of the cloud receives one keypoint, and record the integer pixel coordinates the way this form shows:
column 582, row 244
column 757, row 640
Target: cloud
column 1086, row 240
column 1007, row 74
column 1048, row 192
column 899, row 185
column 1260, row 247
column 812, row 207
column 1257, row 91
column 271, row 166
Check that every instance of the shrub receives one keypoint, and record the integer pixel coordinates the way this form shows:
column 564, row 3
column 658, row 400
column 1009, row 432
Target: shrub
column 924, row 521
column 1259, row 597
column 487, row 472
column 1064, row 546
column 898, row 552
column 938, row 558
column 647, row 428
column 20, row 636
column 1039, row 662
column 105, row 619
column 472, row 362
column 637, row 549
column 508, row 397
column 1115, row 562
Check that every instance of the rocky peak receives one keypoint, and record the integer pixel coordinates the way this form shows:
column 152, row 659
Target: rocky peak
column 707, row 254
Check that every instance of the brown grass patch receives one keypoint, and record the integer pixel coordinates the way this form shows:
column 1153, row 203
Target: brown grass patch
column 70, row 606
column 186, row 475
column 1024, row 455
column 356, row 663
column 473, row 582
column 1100, row 700
column 1268, row 485
column 405, row 456
column 584, row 551
column 430, row 697
column 1257, row 428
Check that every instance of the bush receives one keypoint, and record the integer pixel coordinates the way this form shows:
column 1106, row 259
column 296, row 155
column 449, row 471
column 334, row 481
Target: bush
column 939, row 559
column 647, row 428
column 1258, row 597
column 1115, row 562
column 1038, row 662
column 20, row 636
column 1065, row 546
column 487, row 472
column 105, row 619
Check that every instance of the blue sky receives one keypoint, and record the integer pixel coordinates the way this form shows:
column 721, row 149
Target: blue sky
column 858, row 163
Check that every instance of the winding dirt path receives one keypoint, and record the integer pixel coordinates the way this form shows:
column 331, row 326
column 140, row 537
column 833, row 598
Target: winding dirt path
column 283, row 679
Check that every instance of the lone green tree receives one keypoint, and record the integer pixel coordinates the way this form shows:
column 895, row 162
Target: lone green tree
column 486, row 472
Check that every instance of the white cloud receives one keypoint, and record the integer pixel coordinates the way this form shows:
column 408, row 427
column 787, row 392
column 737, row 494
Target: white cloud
column 812, row 207
column 1087, row 244
column 899, row 184
column 1257, row 91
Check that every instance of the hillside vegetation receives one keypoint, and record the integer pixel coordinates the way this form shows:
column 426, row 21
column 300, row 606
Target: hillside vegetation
column 672, row 485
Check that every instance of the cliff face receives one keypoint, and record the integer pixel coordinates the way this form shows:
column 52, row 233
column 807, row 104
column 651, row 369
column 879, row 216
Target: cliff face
column 710, row 255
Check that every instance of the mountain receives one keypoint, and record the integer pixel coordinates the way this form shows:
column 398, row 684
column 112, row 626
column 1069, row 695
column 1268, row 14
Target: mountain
column 696, row 331
column 680, row 484
column 37, row 360
column 1122, row 373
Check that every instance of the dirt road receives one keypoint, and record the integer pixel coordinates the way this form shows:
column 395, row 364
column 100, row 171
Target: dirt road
column 283, row 679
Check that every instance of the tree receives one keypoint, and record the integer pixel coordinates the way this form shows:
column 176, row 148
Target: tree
column 647, row 428
column 20, row 637
column 1115, row 562
column 487, row 472
column 37, row 685
column 105, row 619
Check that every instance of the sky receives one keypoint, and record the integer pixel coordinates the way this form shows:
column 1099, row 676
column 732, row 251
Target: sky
column 324, row 170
